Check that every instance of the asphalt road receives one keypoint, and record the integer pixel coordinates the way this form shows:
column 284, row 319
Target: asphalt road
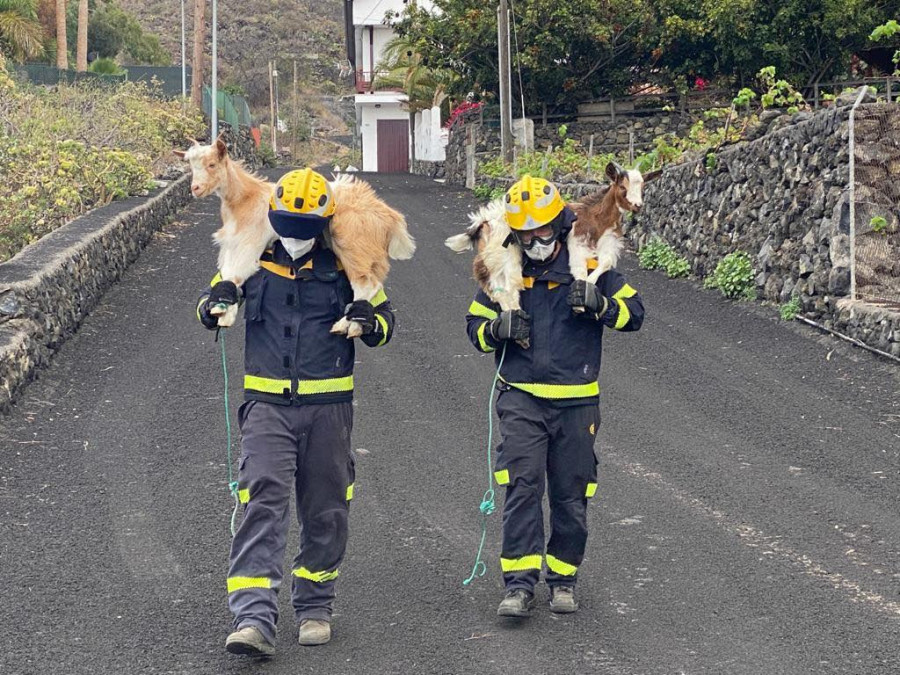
column 747, row 521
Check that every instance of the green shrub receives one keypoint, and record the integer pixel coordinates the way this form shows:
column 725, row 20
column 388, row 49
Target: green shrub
column 878, row 224
column 66, row 150
column 105, row 66
column 657, row 254
column 790, row 310
column 733, row 276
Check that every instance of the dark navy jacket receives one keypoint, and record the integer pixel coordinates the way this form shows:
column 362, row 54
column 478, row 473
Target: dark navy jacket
column 562, row 363
column 290, row 355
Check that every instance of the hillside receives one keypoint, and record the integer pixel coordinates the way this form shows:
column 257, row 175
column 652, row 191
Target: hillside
column 253, row 31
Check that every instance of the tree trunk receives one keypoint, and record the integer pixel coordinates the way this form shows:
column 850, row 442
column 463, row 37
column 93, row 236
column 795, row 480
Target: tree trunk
column 81, row 51
column 199, row 48
column 62, row 47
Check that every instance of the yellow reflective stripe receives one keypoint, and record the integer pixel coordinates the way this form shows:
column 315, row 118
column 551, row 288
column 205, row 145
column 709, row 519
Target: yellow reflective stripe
column 244, row 496
column 502, row 477
column 350, row 492
column 528, row 282
column 624, row 315
column 280, row 270
column 625, row 292
column 326, row 386
column 318, row 577
column 558, row 390
column 528, row 562
column 216, row 279
column 477, row 309
column 199, row 305
column 591, row 490
column 241, row 583
column 384, row 328
column 266, row 385
column 554, row 564
column 269, row 385
column 551, row 285
column 380, row 297
column 485, row 347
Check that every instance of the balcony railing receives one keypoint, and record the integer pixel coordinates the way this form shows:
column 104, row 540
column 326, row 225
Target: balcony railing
column 367, row 81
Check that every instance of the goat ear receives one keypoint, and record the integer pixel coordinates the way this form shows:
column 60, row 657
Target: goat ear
column 179, row 153
column 615, row 172
column 221, row 148
column 193, row 141
column 652, row 175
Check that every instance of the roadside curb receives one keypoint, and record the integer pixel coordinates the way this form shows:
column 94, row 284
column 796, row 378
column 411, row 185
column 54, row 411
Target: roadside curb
column 50, row 286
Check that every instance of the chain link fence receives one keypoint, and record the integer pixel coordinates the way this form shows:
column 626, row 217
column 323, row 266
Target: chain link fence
column 875, row 202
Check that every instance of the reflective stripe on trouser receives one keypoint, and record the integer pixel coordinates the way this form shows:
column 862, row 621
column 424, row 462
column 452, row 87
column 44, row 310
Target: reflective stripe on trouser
column 308, row 448
column 544, row 445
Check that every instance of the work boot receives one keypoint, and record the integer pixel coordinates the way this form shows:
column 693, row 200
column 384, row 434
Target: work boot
column 249, row 641
column 314, row 632
column 562, row 600
column 518, row 602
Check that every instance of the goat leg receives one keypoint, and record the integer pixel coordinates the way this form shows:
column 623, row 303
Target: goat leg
column 362, row 290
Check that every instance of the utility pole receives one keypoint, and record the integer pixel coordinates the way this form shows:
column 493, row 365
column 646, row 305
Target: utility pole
column 506, row 137
column 199, row 47
column 272, row 105
column 215, row 70
column 277, row 111
column 295, row 121
column 183, row 54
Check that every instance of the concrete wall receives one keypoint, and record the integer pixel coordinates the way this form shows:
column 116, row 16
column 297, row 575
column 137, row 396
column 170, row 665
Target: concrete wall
column 431, row 140
column 368, row 128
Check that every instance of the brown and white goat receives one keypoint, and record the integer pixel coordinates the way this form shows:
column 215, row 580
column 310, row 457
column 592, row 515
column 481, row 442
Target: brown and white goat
column 597, row 233
column 364, row 233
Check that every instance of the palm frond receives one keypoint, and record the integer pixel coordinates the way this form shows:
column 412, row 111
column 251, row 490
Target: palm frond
column 20, row 37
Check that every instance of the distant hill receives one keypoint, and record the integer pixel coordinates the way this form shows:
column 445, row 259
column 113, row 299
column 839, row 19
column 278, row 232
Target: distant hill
column 253, row 31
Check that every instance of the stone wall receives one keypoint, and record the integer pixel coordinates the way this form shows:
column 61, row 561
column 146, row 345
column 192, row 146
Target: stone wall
column 781, row 197
column 50, row 286
column 422, row 167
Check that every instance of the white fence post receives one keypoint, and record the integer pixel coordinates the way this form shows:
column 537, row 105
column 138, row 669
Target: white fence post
column 862, row 92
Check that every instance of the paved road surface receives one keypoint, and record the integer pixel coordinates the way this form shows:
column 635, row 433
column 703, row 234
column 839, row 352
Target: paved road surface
column 747, row 519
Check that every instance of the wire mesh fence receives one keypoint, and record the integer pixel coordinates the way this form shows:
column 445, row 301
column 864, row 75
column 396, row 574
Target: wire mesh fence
column 875, row 202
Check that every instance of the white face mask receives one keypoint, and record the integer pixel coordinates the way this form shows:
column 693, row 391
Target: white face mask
column 541, row 252
column 297, row 248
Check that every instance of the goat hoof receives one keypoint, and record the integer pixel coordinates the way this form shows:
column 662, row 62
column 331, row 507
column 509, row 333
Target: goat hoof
column 354, row 330
column 218, row 309
column 524, row 344
column 340, row 327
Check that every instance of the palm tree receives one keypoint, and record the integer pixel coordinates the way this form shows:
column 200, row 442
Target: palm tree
column 81, row 44
column 21, row 35
column 402, row 68
column 62, row 46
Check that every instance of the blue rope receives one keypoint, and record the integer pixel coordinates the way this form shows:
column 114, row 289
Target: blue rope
column 232, row 483
column 488, row 506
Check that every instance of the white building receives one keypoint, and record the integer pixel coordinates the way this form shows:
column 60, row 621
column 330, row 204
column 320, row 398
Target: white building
column 382, row 117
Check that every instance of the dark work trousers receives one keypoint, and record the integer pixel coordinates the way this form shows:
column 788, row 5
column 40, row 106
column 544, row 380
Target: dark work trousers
column 544, row 445
column 308, row 448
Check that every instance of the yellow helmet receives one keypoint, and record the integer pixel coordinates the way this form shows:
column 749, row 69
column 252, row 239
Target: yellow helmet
column 301, row 205
column 532, row 203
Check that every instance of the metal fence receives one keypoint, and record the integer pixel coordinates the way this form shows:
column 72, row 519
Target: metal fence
column 875, row 202
column 166, row 78
column 232, row 109
column 49, row 75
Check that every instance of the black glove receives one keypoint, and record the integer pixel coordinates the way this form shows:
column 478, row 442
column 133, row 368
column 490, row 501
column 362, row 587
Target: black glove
column 209, row 321
column 224, row 292
column 586, row 297
column 362, row 313
column 513, row 324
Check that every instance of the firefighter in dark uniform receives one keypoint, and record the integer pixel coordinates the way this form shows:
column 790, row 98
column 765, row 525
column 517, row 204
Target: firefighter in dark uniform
column 296, row 419
column 549, row 395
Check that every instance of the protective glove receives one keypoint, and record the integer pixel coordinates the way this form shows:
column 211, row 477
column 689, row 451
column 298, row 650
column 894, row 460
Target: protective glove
column 513, row 324
column 209, row 321
column 362, row 313
column 224, row 293
column 586, row 297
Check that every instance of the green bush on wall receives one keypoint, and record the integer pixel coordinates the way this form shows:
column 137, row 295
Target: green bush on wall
column 734, row 276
